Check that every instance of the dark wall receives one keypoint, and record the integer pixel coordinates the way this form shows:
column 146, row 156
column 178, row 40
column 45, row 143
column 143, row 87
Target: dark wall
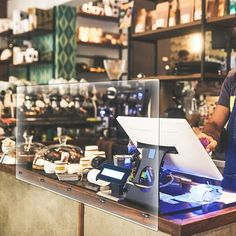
column 3, row 8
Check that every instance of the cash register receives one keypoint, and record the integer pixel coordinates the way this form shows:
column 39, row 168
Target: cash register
column 171, row 150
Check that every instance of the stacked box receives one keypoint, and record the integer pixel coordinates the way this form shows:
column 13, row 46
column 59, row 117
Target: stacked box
column 40, row 19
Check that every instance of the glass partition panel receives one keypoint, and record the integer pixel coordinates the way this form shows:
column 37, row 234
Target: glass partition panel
column 96, row 143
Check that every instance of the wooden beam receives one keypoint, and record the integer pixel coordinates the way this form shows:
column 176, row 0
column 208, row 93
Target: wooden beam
column 80, row 219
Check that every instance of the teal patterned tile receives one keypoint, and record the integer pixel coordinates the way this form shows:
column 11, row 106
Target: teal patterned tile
column 64, row 49
column 65, row 42
column 41, row 74
column 20, row 72
column 43, row 43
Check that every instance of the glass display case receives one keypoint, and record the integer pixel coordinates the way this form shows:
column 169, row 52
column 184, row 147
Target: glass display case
column 91, row 156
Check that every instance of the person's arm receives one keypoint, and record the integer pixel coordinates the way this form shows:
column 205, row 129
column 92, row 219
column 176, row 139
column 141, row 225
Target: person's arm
column 212, row 130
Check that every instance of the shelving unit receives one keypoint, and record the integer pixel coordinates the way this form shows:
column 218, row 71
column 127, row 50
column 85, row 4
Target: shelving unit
column 228, row 21
column 101, row 45
column 5, row 62
column 31, row 64
column 120, row 48
column 29, row 35
column 40, row 125
column 6, row 33
column 174, row 31
column 32, row 33
column 225, row 23
column 217, row 22
column 59, row 121
column 91, row 56
column 92, row 72
column 196, row 76
column 98, row 17
column 26, row 35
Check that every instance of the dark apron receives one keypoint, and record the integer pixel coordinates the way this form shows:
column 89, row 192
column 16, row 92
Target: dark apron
column 229, row 180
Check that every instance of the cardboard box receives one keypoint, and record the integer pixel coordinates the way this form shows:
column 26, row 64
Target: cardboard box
column 173, row 13
column 222, row 8
column 40, row 19
column 197, row 10
column 211, row 8
column 186, row 11
column 151, row 20
column 162, row 12
column 140, row 21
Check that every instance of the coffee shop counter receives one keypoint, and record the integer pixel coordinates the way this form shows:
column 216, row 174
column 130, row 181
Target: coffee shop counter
column 29, row 210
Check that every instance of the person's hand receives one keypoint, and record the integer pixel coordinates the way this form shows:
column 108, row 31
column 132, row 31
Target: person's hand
column 207, row 141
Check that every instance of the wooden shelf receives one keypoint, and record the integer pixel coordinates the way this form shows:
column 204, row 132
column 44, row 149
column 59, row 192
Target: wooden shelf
column 95, row 56
column 55, row 121
column 30, row 34
column 196, row 76
column 5, row 62
column 174, row 31
column 32, row 64
column 90, row 72
column 6, row 33
column 98, row 17
column 102, row 45
column 228, row 21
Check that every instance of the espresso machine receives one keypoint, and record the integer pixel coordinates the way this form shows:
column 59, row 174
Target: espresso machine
column 122, row 102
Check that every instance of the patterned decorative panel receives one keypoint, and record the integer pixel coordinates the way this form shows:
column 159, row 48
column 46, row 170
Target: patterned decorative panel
column 43, row 43
column 20, row 72
column 41, row 74
column 65, row 42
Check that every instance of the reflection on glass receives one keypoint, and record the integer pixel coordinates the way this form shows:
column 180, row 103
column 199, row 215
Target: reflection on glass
column 78, row 132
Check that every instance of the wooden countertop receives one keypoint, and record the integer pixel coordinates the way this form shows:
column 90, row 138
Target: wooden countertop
column 174, row 224
column 10, row 169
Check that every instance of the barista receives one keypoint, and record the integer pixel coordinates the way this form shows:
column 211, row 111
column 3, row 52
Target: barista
column 224, row 111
